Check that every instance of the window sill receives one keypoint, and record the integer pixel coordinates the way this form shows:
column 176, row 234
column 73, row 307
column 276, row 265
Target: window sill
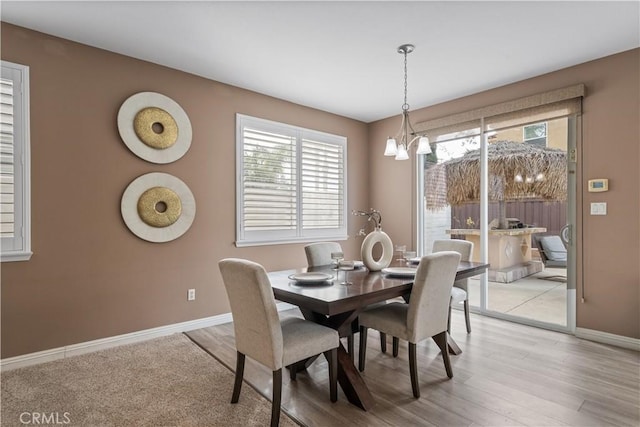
column 248, row 243
column 15, row 256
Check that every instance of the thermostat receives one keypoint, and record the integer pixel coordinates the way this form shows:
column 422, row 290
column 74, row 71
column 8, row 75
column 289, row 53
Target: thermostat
column 597, row 185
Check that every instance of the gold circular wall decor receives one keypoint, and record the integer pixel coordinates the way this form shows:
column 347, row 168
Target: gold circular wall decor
column 158, row 207
column 154, row 127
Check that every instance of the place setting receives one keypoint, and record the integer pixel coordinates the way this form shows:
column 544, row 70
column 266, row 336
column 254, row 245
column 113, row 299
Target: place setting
column 316, row 278
column 345, row 266
column 320, row 278
column 408, row 264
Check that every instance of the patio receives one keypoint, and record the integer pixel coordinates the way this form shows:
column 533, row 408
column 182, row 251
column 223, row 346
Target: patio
column 539, row 296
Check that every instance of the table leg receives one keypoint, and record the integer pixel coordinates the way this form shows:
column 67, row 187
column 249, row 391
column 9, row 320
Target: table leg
column 349, row 378
column 352, row 383
column 453, row 346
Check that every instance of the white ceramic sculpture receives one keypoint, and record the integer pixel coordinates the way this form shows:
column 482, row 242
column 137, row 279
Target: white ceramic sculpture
column 373, row 238
column 377, row 236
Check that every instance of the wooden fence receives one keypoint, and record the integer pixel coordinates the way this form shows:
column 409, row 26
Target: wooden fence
column 538, row 213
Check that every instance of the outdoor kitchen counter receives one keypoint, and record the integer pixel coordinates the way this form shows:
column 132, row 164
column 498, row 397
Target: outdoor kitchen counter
column 507, row 248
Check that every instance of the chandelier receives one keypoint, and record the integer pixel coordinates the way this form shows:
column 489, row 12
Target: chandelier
column 400, row 144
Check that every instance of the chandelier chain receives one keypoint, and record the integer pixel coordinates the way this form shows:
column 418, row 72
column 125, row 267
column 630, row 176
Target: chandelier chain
column 405, row 106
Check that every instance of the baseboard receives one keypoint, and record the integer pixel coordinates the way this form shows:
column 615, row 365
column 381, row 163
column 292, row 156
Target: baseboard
column 104, row 343
column 607, row 338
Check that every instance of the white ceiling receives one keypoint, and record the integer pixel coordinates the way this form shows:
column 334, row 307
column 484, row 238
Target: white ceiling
column 341, row 56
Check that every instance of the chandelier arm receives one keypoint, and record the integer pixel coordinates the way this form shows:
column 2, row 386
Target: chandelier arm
column 399, row 134
column 417, row 137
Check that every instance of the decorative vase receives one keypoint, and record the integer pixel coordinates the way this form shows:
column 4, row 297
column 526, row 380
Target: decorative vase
column 373, row 238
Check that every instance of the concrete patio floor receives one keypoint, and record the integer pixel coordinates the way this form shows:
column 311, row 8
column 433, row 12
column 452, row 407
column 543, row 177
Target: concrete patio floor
column 539, row 296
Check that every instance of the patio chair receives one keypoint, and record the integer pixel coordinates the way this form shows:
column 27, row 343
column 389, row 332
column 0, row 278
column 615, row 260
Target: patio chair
column 261, row 335
column 553, row 254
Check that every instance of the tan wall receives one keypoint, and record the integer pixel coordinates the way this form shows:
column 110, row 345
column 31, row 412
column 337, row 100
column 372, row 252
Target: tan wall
column 609, row 246
column 90, row 277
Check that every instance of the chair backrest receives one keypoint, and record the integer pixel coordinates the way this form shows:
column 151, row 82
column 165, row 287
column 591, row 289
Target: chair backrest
column 256, row 323
column 319, row 253
column 463, row 247
column 429, row 304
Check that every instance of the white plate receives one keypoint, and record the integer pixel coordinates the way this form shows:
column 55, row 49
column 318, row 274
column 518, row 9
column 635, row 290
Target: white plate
column 358, row 264
column 400, row 271
column 311, row 277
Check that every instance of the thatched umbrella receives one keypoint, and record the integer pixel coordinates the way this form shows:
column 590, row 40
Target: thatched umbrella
column 516, row 171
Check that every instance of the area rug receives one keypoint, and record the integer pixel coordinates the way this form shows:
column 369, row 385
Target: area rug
column 167, row 381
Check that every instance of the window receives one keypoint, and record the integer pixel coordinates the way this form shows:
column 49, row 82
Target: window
column 535, row 134
column 290, row 183
column 14, row 163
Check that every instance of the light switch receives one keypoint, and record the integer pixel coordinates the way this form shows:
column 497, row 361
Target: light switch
column 599, row 208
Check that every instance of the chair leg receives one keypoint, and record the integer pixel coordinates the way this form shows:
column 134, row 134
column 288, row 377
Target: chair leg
column 383, row 342
column 467, row 315
column 350, row 346
column 396, row 345
column 413, row 370
column 292, row 372
column 239, row 374
column 332, row 359
column 363, row 348
column 277, row 398
column 441, row 340
column 449, row 319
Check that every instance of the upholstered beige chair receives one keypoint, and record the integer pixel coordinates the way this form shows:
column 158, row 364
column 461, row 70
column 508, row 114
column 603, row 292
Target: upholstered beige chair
column 459, row 292
column 319, row 254
column 261, row 335
column 424, row 316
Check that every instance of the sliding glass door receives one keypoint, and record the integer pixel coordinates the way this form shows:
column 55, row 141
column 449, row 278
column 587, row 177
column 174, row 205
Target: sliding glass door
column 508, row 186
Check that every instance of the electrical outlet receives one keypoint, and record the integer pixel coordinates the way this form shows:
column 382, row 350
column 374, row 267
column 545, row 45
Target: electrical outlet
column 191, row 294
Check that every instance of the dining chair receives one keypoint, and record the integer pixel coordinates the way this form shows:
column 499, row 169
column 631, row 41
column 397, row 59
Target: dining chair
column 459, row 292
column 424, row 316
column 261, row 335
column 319, row 254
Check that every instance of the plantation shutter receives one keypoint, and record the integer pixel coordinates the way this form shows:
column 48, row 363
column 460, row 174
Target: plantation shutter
column 269, row 181
column 7, row 188
column 322, row 185
column 15, row 200
column 290, row 184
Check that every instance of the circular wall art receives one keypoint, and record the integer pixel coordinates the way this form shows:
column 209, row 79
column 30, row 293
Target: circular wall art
column 158, row 207
column 154, row 127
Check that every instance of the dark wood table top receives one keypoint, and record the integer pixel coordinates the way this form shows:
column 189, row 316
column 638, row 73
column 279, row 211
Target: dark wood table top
column 367, row 287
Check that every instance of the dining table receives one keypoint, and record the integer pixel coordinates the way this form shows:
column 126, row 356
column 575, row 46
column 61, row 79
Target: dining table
column 337, row 305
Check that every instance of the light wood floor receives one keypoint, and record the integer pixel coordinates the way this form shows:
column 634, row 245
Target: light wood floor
column 507, row 375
